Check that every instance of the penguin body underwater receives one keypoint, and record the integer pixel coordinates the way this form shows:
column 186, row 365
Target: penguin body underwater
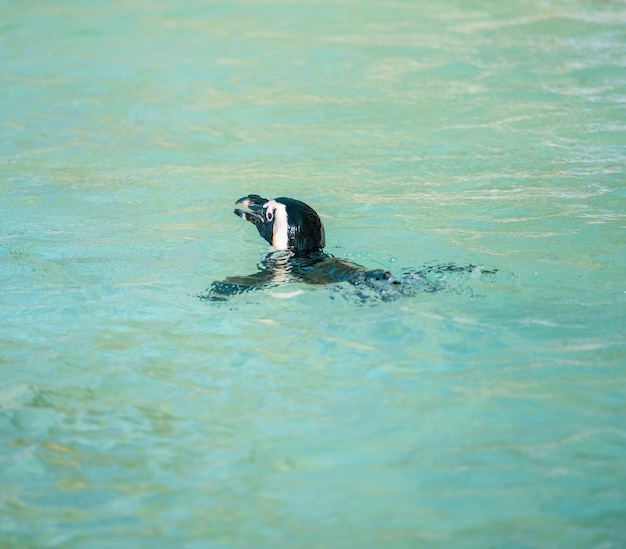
column 297, row 233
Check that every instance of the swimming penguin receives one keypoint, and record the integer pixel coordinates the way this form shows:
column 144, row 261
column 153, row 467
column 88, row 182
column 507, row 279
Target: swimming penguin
column 297, row 234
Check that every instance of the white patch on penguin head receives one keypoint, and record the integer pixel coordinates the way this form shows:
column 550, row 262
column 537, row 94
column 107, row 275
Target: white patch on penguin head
column 278, row 212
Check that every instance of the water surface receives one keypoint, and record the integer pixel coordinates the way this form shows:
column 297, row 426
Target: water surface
column 134, row 414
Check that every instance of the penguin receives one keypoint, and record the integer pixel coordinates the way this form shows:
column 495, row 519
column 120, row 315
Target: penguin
column 297, row 234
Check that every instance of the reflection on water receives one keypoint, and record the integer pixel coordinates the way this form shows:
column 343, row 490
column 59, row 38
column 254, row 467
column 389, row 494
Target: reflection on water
column 428, row 137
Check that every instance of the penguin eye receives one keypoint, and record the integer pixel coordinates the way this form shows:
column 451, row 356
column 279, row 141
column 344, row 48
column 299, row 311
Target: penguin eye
column 269, row 215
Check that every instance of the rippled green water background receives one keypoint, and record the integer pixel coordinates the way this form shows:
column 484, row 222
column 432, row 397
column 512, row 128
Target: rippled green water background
column 133, row 414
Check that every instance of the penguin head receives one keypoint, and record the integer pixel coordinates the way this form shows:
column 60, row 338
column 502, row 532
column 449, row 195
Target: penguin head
column 286, row 223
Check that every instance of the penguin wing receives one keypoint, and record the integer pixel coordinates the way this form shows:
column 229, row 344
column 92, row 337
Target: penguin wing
column 233, row 285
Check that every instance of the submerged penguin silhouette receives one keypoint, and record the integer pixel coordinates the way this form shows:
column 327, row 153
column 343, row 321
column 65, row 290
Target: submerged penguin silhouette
column 297, row 234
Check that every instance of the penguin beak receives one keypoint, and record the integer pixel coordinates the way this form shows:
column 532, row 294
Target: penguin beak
column 254, row 212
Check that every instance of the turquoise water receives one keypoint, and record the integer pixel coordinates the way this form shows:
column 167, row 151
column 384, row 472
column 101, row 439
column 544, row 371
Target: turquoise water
column 134, row 414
